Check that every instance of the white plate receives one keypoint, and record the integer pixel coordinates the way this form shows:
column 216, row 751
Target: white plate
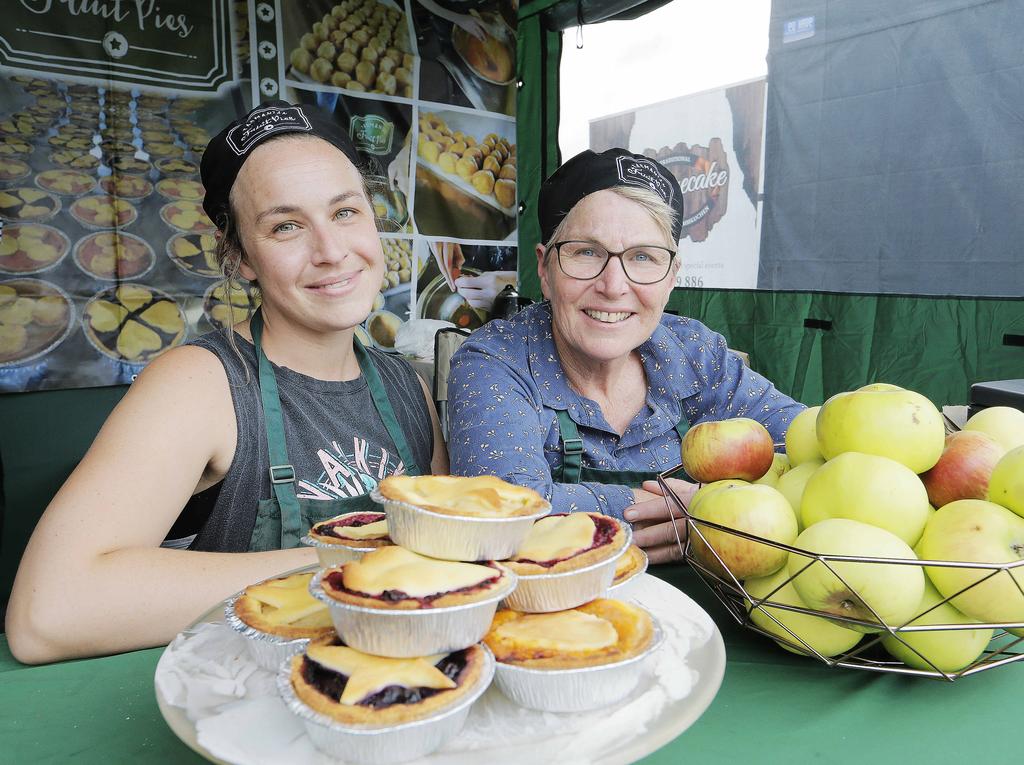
column 497, row 731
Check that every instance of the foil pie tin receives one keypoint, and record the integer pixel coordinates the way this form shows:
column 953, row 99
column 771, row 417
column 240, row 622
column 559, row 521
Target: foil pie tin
column 331, row 554
column 575, row 690
column 455, row 537
column 377, row 745
column 267, row 650
column 408, row 633
column 627, row 587
column 541, row 593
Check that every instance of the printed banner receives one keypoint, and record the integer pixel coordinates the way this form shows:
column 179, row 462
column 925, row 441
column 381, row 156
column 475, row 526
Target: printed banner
column 106, row 257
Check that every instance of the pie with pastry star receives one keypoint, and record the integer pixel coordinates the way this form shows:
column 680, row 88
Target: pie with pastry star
column 359, row 529
column 484, row 496
column 284, row 607
column 568, row 541
column 353, row 687
column 395, row 578
column 602, row 631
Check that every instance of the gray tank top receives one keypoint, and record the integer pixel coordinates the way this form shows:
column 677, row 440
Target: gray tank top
column 336, row 442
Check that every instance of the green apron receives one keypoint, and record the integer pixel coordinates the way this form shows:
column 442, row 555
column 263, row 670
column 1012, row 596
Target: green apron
column 572, row 470
column 284, row 519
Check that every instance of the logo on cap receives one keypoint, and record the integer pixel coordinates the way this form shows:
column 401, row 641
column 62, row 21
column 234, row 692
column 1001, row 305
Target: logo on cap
column 634, row 171
column 262, row 123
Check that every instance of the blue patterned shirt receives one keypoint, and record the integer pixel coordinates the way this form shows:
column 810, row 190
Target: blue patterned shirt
column 507, row 383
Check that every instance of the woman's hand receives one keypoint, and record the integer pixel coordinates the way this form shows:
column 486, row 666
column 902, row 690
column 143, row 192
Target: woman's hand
column 480, row 291
column 658, row 532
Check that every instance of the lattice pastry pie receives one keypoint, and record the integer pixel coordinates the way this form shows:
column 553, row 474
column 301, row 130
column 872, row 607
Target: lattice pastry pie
column 359, row 529
column 481, row 496
column 356, row 688
column 602, row 631
column 568, row 541
column 284, row 607
column 396, row 578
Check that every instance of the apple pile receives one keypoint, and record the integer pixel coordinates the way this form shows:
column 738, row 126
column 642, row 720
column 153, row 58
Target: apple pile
column 869, row 474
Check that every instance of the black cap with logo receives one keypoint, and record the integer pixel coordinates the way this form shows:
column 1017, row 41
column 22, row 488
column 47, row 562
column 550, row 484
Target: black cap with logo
column 229, row 149
column 588, row 172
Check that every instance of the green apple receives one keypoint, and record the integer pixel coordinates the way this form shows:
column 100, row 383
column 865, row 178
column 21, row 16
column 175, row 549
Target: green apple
column 754, row 509
column 869, row 489
column 894, row 423
column 710, row 488
column 791, row 627
column 1004, row 423
column 1006, row 485
column 976, row 531
column 944, row 650
column 791, row 484
column 802, row 438
column 780, row 464
column 855, row 589
column 735, row 448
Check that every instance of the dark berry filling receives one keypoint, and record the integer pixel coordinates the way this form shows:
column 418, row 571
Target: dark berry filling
column 394, row 596
column 330, row 528
column 604, row 532
column 332, row 684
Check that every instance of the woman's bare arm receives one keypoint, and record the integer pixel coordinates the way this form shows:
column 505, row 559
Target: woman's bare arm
column 93, row 579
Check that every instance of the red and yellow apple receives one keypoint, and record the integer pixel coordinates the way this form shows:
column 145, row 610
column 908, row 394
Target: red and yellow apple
column 870, row 489
column 976, row 531
column 754, row 509
column 802, row 438
column 1004, row 423
column 735, row 448
column 868, row 591
column 964, row 468
column 882, row 420
column 1006, row 486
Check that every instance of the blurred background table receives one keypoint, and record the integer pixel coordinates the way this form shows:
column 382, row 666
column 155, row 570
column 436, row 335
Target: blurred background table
column 772, row 707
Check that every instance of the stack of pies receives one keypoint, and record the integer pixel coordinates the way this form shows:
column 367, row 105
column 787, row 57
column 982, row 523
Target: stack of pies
column 347, row 537
column 34, row 317
column 29, row 247
column 114, row 255
column 187, row 216
column 195, row 254
column 277, row 613
column 229, row 303
column 134, row 323
column 25, row 203
column 459, row 518
column 566, row 560
column 70, row 182
column 180, row 188
column 103, row 211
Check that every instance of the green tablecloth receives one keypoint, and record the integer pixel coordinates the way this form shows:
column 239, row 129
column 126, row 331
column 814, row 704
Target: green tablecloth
column 772, row 707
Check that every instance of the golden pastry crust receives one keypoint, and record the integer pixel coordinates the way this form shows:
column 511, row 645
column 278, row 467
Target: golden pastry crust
column 605, row 550
column 396, row 714
column 359, row 543
column 484, row 496
column 312, row 619
column 629, row 565
column 632, row 625
column 336, row 582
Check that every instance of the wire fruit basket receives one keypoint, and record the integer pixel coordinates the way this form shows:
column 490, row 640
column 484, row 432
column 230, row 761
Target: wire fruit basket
column 698, row 550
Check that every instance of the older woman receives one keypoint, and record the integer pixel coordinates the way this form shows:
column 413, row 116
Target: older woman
column 256, row 433
column 585, row 397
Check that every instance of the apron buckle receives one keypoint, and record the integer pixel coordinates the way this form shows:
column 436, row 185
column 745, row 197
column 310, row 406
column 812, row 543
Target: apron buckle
column 572, row 445
column 282, row 474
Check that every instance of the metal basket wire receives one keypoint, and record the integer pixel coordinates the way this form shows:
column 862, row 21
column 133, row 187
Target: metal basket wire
column 1004, row 648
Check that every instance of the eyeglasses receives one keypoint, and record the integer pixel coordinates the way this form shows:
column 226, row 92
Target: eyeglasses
column 644, row 264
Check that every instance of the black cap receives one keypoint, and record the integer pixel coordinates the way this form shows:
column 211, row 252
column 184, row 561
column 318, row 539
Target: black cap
column 228, row 150
column 588, row 172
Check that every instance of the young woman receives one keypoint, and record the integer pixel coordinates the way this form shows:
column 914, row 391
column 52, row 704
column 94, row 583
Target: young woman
column 283, row 423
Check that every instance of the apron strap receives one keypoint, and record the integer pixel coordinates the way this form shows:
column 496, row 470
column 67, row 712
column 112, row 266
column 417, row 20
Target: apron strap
column 572, row 447
column 384, row 408
column 282, row 473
